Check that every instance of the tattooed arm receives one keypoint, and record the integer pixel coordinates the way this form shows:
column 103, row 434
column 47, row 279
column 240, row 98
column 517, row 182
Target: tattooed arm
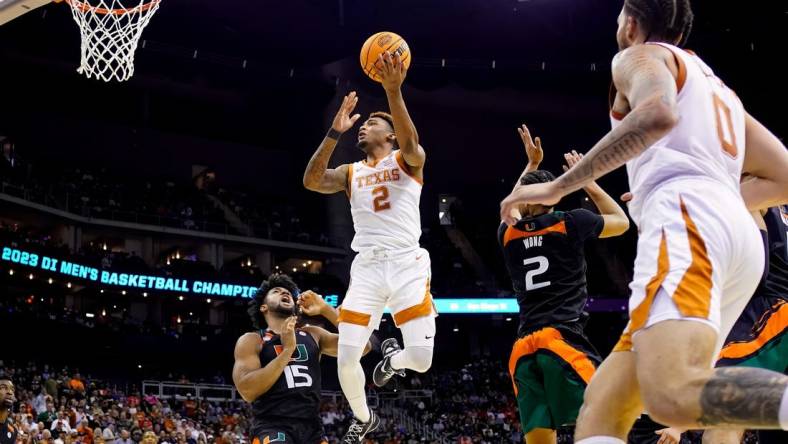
column 644, row 78
column 742, row 396
column 318, row 177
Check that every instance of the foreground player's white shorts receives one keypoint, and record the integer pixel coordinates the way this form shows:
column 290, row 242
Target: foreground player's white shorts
column 699, row 257
column 397, row 279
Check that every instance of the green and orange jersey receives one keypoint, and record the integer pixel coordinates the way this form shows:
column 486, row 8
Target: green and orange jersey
column 546, row 262
column 296, row 394
column 764, row 320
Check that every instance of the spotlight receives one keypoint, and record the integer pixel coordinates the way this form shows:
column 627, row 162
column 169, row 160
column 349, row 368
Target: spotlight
column 49, row 280
column 68, row 285
column 180, row 298
column 208, row 301
column 30, row 276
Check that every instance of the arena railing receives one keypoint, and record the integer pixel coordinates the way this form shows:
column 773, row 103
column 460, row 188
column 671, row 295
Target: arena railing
column 223, row 392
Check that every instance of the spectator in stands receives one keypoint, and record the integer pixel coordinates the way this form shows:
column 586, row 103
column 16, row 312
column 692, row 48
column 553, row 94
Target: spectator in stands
column 125, row 437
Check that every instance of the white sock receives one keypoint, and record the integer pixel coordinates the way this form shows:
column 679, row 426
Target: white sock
column 417, row 358
column 352, row 380
column 600, row 440
column 784, row 411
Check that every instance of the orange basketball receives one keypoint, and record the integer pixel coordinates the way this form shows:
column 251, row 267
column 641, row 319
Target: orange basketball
column 377, row 45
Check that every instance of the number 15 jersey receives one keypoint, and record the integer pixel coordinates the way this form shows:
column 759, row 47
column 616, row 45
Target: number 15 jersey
column 384, row 203
column 546, row 262
column 296, row 394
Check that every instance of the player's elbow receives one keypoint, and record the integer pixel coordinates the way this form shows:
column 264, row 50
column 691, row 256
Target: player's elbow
column 621, row 226
column 615, row 226
column 246, row 394
column 660, row 116
column 311, row 184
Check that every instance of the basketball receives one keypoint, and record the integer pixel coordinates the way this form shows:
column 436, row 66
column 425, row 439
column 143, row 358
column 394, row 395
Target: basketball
column 376, row 45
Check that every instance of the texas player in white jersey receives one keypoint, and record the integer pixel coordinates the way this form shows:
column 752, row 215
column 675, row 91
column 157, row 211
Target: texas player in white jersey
column 686, row 139
column 390, row 268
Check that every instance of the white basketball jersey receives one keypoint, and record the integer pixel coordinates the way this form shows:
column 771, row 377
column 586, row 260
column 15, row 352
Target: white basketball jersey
column 384, row 202
column 708, row 140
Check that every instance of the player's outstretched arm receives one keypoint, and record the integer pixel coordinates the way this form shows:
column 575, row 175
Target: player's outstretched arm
column 318, row 177
column 250, row 378
column 312, row 304
column 766, row 160
column 392, row 73
column 642, row 75
column 616, row 220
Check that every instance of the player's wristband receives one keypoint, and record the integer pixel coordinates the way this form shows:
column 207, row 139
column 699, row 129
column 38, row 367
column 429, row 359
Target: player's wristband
column 333, row 134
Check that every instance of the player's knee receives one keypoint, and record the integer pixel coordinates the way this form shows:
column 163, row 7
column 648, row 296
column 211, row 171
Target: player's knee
column 668, row 402
column 421, row 358
column 347, row 360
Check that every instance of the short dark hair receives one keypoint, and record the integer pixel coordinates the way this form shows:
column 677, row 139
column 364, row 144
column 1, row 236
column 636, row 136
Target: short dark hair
column 538, row 176
column 275, row 280
column 385, row 116
column 668, row 21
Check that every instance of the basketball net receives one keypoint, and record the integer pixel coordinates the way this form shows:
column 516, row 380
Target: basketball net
column 110, row 33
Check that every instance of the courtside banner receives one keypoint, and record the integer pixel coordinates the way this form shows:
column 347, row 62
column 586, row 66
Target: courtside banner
column 130, row 281
column 124, row 280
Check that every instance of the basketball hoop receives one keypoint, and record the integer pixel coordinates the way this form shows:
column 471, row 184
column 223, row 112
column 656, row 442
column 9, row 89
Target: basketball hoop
column 110, row 33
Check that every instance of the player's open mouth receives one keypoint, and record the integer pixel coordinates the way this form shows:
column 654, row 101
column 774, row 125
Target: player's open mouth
column 362, row 136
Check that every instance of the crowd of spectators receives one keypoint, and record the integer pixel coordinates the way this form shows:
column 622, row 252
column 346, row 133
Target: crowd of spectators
column 199, row 204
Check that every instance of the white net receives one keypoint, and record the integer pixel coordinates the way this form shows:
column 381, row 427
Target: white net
column 110, row 33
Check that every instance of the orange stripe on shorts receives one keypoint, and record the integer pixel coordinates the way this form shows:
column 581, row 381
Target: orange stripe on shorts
column 353, row 317
column 551, row 339
column 639, row 315
column 424, row 308
column 693, row 294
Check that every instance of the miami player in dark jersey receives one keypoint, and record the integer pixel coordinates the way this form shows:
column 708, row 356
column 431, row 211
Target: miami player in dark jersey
column 758, row 338
column 8, row 430
column 277, row 368
column 552, row 360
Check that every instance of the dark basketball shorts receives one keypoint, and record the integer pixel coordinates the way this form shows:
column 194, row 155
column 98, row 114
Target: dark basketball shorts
column 550, row 369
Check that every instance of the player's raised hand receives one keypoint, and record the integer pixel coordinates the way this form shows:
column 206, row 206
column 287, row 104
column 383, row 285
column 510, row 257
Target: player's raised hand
column 288, row 334
column 572, row 158
column 343, row 121
column 391, row 70
column 311, row 303
column 669, row 436
column 533, row 147
column 540, row 193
